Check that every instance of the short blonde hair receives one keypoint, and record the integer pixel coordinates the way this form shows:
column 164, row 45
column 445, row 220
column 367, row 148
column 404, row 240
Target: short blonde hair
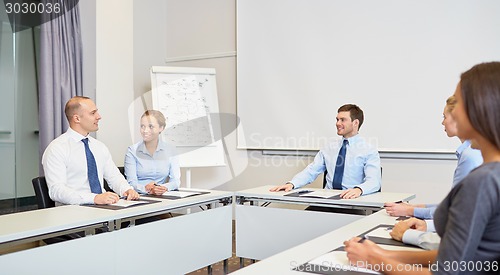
column 451, row 102
column 158, row 115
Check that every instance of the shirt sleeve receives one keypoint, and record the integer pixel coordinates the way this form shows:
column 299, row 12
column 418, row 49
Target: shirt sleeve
column 371, row 182
column 424, row 213
column 131, row 170
column 174, row 174
column 311, row 172
column 430, row 226
column 425, row 240
column 54, row 166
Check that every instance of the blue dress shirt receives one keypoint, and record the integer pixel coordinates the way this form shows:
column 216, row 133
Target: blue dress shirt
column 162, row 167
column 468, row 160
column 362, row 167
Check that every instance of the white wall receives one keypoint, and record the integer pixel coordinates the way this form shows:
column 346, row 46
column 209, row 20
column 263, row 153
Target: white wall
column 131, row 38
column 149, row 41
column 115, row 72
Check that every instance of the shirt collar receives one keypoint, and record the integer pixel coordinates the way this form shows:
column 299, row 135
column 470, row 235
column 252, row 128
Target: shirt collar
column 142, row 147
column 75, row 135
column 462, row 147
column 352, row 139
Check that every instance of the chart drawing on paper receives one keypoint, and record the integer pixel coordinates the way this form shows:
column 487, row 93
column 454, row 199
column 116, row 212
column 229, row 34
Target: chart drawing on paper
column 187, row 112
column 188, row 99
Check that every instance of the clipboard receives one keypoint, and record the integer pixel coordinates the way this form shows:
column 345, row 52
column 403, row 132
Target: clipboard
column 168, row 196
column 115, row 207
column 312, row 265
column 333, row 268
column 384, row 241
column 306, row 194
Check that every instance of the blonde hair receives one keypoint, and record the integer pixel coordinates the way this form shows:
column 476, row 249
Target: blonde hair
column 158, row 115
column 451, row 102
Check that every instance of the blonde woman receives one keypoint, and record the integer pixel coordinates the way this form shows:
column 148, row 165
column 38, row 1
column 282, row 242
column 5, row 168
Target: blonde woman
column 151, row 165
column 468, row 160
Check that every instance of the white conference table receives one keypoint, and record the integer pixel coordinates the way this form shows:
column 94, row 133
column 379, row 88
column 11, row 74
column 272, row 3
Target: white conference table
column 39, row 224
column 284, row 262
column 264, row 231
column 177, row 245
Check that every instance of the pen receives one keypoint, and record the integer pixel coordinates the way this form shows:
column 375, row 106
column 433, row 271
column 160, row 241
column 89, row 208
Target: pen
column 123, row 197
column 303, row 192
column 365, row 237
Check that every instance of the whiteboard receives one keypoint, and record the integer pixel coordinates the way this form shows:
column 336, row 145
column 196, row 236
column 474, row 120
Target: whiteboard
column 399, row 60
column 187, row 97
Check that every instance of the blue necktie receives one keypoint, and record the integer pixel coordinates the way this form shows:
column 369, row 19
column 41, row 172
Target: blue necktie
column 95, row 185
column 339, row 167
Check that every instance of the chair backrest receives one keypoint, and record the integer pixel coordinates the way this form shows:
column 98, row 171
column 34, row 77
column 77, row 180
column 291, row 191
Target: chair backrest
column 324, row 179
column 122, row 170
column 42, row 193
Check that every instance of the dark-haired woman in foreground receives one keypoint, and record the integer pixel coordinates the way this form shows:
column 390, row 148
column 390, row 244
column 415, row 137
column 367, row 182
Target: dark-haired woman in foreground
column 468, row 219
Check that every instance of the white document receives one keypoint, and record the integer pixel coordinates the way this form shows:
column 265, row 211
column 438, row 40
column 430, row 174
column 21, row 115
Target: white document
column 381, row 232
column 180, row 194
column 321, row 194
column 126, row 203
column 337, row 260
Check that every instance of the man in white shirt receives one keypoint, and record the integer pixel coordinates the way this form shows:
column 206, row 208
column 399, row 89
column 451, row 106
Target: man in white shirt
column 65, row 160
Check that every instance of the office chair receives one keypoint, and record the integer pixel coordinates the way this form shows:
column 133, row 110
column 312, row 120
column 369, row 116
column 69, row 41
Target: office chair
column 106, row 186
column 42, row 193
column 324, row 179
column 44, row 201
column 122, row 170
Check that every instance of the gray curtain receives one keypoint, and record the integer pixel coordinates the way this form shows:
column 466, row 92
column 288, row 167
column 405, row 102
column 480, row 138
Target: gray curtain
column 60, row 72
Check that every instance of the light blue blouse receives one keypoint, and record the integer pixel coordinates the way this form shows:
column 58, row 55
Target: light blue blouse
column 362, row 167
column 162, row 167
column 468, row 160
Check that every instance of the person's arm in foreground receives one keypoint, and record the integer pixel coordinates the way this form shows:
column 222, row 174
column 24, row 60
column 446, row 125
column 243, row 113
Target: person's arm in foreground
column 368, row 254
